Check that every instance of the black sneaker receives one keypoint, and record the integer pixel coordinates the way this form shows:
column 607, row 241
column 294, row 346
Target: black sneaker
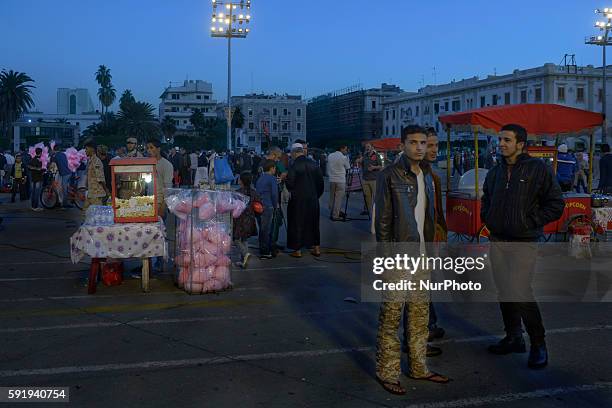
column 435, row 333
column 538, row 356
column 508, row 345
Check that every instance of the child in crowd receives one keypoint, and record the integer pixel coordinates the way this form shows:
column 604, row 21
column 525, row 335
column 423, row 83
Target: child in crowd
column 245, row 225
column 267, row 189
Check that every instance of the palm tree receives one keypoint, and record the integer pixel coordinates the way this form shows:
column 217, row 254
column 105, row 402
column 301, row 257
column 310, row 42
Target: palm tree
column 106, row 92
column 168, row 127
column 15, row 97
column 107, row 96
column 137, row 120
column 126, row 98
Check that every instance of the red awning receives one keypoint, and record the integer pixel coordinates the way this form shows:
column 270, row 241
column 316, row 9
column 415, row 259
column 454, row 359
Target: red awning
column 390, row 143
column 538, row 119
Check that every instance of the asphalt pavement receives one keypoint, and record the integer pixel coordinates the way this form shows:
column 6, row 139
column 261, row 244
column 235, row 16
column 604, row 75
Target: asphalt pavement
column 292, row 333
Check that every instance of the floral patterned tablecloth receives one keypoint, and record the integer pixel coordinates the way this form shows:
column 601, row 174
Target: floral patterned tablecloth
column 143, row 240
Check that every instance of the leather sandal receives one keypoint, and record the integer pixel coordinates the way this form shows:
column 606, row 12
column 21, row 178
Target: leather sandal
column 393, row 388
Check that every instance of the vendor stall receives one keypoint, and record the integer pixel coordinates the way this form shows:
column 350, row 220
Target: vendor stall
column 119, row 241
column 463, row 207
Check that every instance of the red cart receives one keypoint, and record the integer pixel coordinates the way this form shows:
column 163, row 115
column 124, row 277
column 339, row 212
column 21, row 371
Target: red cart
column 463, row 209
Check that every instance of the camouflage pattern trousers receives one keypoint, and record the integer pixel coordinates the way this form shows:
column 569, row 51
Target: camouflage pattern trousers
column 388, row 347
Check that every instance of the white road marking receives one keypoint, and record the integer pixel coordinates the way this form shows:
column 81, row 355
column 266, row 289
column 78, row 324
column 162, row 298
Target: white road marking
column 176, row 363
column 124, row 295
column 79, row 278
column 237, row 358
column 488, row 400
column 142, row 322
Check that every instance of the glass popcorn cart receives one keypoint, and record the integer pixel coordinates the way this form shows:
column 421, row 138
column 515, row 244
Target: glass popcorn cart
column 134, row 197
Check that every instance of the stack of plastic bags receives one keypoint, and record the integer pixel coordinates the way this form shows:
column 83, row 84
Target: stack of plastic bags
column 203, row 237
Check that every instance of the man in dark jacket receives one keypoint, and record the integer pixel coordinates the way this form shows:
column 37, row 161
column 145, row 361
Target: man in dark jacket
column 305, row 183
column 405, row 213
column 520, row 196
column 605, row 169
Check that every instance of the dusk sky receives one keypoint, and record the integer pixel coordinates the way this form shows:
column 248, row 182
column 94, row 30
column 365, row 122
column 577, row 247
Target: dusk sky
column 297, row 47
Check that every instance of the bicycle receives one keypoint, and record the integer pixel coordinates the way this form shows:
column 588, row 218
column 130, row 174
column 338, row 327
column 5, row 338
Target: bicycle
column 49, row 196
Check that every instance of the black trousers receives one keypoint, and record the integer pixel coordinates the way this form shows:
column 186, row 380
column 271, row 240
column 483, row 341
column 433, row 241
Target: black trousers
column 21, row 188
column 513, row 268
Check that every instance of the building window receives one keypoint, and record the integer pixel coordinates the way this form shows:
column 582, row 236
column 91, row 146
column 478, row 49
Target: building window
column 285, row 126
column 393, row 130
column 275, row 126
column 538, row 94
column 416, row 112
column 426, row 110
column 600, row 95
column 185, row 122
column 185, row 108
column 274, row 112
column 456, row 106
column 579, row 94
column 285, row 111
column 72, row 104
column 298, row 112
column 409, row 112
column 483, row 101
column 393, row 114
column 198, row 96
column 373, row 105
column 177, row 122
column 386, row 130
column 495, row 98
column 561, row 94
column 299, row 127
column 437, row 127
column 524, row 96
column 251, row 125
column 175, row 96
column 446, row 106
column 386, row 115
column 436, row 108
column 507, row 98
column 206, row 97
column 251, row 112
column 174, row 109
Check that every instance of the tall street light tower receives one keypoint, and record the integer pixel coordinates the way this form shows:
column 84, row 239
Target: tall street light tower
column 603, row 40
column 230, row 19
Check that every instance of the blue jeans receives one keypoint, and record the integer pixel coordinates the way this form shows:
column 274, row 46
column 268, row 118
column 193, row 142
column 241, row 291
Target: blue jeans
column 65, row 184
column 35, row 193
column 265, row 231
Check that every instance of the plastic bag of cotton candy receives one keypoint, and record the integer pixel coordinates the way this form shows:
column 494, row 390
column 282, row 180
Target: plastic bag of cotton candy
column 205, row 205
column 203, row 261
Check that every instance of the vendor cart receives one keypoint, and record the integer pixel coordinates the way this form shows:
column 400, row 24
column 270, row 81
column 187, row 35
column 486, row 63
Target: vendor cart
column 540, row 120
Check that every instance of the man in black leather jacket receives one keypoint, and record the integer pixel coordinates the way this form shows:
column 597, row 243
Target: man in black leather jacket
column 520, row 196
column 405, row 213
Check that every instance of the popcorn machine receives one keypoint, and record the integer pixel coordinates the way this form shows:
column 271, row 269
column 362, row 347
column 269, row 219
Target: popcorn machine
column 134, row 189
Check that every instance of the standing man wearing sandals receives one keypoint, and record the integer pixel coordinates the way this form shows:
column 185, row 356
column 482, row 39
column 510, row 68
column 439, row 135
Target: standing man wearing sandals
column 405, row 214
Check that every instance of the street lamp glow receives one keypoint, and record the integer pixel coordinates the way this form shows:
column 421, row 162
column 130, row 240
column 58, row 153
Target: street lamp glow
column 221, row 15
column 228, row 6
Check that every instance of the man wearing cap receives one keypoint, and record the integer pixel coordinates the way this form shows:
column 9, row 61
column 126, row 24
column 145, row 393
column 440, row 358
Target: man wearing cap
column 566, row 168
column 305, row 183
column 131, row 145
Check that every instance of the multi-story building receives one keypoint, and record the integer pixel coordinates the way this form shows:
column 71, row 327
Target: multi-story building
column 347, row 116
column 579, row 87
column 270, row 120
column 179, row 102
column 73, row 101
column 27, row 132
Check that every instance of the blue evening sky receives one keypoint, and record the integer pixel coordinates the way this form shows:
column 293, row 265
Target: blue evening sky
column 297, row 47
